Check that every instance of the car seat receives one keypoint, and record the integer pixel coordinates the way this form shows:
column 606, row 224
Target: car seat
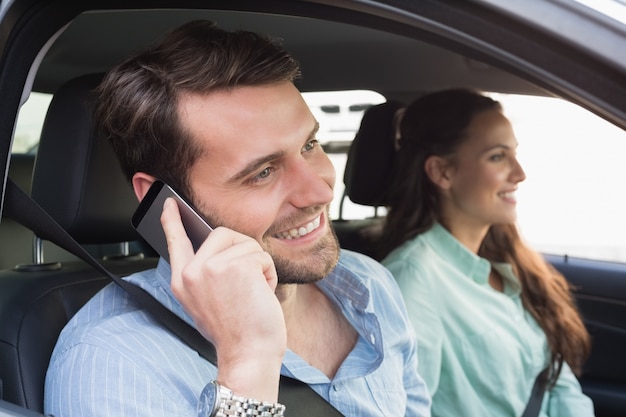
column 16, row 240
column 368, row 172
column 78, row 181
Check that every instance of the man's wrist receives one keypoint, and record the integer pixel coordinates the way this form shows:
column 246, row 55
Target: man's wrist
column 248, row 376
column 219, row 401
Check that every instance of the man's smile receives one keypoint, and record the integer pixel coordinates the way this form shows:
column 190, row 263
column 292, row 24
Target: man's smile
column 299, row 231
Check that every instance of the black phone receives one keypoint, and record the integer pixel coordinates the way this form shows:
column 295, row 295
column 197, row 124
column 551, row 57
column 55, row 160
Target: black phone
column 147, row 219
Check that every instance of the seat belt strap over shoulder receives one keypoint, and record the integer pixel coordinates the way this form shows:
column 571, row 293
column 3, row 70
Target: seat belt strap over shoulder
column 298, row 398
column 533, row 407
column 536, row 397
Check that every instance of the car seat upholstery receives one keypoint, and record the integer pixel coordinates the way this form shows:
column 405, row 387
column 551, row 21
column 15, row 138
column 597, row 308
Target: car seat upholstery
column 94, row 216
column 78, row 181
column 368, row 174
column 15, row 240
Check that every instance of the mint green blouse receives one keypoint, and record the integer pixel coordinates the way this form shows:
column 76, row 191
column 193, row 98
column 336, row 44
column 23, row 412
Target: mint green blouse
column 479, row 350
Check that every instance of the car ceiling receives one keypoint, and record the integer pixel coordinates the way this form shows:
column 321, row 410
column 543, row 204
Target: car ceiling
column 421, row 46
column 333, row 55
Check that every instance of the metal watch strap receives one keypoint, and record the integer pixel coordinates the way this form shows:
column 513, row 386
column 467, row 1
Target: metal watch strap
column 229, row 404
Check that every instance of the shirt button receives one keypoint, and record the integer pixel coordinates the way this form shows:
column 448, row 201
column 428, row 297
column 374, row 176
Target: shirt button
column 373, row 338
column 336, row 387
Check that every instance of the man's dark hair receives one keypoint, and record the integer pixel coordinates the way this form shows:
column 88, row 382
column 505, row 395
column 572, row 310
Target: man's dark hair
column 137, row 101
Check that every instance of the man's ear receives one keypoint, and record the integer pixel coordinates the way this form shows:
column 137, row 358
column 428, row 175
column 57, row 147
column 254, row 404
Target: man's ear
column 439, row 171
column 142, row 183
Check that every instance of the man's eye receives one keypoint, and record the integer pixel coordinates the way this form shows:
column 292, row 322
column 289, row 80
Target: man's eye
column 263, row 174
column 310, row 145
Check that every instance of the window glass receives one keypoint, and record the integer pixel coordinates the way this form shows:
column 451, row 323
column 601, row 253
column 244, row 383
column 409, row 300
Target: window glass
column 615, row 9
column 339, row 114
column 30, row 122
column 571, row 202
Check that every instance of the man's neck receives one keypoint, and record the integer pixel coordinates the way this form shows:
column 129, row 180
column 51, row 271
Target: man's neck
column 317, row 330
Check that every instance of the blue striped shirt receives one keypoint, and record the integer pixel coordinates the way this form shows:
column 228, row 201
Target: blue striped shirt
column 113, row 359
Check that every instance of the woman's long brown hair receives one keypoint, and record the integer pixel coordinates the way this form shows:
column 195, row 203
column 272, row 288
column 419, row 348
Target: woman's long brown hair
column 435, row 124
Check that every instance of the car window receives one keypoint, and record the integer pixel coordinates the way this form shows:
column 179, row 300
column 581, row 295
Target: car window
column 614, row 9
column 339, row 114
column 563, row 208
column 29, row 122
column 566, row 207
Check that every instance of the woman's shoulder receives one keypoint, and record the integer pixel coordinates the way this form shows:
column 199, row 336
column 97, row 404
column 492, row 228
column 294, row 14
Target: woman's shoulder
column 414, row 253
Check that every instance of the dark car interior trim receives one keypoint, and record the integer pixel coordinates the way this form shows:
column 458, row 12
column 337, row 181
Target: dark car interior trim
column 479, row 34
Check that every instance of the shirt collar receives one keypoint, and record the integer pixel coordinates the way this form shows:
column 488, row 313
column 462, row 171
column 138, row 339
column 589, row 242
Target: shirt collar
column 474, row 266
column 347, row 286
column 512, row 285
column 342, row 285
column 445, row 244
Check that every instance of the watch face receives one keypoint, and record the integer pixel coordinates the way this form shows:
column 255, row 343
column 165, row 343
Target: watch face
column 211, row 398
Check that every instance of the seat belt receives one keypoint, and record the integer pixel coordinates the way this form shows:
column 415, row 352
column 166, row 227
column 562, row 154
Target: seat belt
column 533, row 406
column 295, row 395
column 536, row 395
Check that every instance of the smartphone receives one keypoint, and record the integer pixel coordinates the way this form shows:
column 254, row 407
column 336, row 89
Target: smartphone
column 147, row 219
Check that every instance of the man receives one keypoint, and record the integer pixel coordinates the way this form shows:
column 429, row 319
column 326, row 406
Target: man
column 216, row 116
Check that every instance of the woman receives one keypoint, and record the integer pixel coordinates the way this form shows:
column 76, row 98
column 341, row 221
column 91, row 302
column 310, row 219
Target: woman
column 489, row 312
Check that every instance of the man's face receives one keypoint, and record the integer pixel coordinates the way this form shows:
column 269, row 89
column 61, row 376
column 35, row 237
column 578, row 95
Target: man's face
column 263, row 173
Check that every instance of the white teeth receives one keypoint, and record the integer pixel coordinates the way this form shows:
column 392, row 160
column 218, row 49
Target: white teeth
column 300, row 231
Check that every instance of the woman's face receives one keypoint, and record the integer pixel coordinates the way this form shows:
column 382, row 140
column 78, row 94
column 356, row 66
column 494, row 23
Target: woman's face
column 483, row 174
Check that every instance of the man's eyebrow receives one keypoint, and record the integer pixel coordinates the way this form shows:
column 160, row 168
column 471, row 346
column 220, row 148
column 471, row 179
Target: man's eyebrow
column 257, row 163
column 254, row 165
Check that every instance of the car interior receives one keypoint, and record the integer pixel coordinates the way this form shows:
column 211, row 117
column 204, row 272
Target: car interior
column 41, row 297
column 399, row 50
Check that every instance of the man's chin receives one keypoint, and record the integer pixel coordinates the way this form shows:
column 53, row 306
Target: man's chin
column 309, row 267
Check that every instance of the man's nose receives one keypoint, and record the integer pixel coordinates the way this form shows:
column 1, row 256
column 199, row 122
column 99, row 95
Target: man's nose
column 312, row 182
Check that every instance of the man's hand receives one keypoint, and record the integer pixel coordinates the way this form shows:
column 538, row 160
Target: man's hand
column 227, row 287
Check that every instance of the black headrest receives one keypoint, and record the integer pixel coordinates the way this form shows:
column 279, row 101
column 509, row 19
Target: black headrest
column 77, row 177
column 370, row 159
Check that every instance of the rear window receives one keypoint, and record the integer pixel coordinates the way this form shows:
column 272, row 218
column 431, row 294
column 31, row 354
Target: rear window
column 29, row 123
column 339, row 114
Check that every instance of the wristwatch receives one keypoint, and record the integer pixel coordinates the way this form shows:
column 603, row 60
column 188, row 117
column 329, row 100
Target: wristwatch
column 227, row 404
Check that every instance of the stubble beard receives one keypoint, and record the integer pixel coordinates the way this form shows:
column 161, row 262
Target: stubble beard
column 318, row 263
